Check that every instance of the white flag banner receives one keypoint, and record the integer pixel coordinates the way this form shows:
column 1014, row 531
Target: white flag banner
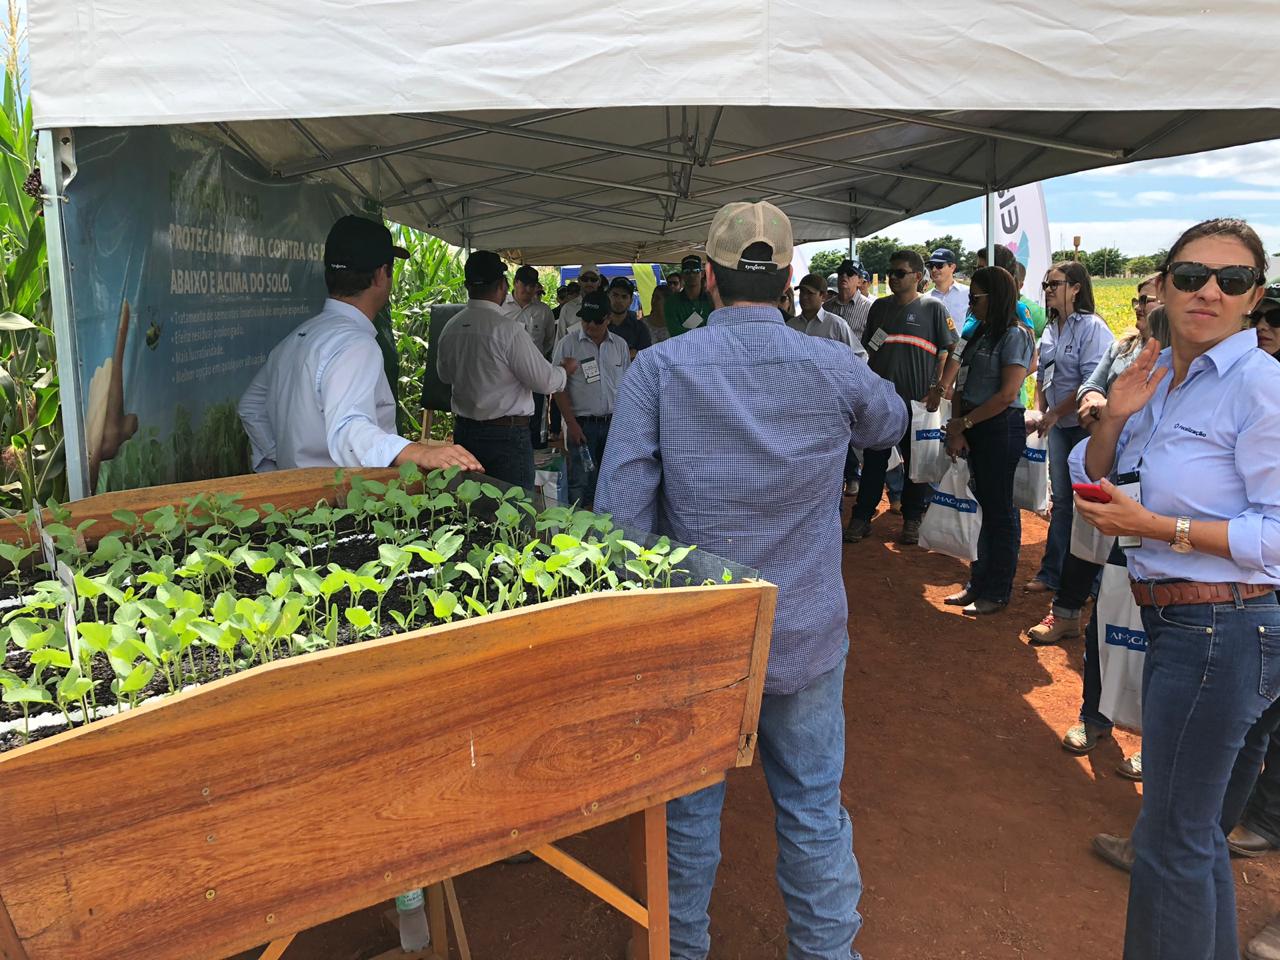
column 1022, row 225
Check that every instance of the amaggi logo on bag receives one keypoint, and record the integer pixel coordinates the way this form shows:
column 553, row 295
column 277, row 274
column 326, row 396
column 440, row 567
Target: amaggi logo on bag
column 1035, row 454
column 962, row 504
column 931, row 433
column 1118, row 636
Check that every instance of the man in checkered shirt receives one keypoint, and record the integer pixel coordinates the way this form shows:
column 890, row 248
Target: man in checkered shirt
column 733, row 437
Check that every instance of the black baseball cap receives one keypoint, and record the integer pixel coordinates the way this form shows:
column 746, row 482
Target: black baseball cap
column 483, row 266
column 527, row 274
column 360, row 244
column 691, row 264
column 849, row 268
column 621, row 283
column 941, row 255
column 594, row 308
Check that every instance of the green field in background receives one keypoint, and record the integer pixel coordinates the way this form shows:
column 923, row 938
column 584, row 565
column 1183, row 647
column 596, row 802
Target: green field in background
column 1113, row 298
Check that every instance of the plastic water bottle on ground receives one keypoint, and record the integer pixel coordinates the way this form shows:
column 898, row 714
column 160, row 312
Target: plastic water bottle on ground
column 414, row 935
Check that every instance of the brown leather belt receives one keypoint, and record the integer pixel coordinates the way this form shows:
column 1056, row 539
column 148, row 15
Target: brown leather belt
column 1147, row 593
column 512, row 421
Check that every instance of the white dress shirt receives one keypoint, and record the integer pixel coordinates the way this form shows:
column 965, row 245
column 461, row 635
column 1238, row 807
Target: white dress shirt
column 568, row 319
column 956, row 301
column 492, row 364
column 832, row 326
column 594, row 396
column 538, row 320
column 322, row 398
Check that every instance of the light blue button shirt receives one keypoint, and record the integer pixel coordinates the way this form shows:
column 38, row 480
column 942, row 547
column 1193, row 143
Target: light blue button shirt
column 1068, row 356
column 1209, row 450
column 956, row 300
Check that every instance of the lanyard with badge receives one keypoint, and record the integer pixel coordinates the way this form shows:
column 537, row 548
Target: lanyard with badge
column 591, row 370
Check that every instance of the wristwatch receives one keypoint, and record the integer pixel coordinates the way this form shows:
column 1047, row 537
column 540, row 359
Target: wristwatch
column 1181, row 542
column 968, row 424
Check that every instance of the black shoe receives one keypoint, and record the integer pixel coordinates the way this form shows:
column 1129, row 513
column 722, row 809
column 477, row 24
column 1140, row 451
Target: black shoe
column 961, row 599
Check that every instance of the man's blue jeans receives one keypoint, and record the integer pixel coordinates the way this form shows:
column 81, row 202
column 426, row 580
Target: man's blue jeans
column 582, row 486
column 1061, row 442
column 801, row 748
column 1211, row 670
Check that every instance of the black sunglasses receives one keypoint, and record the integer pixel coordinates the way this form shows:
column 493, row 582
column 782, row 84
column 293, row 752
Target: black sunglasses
column 1053, row 284
column 1270, row 317
column 900, row 274
column 1189, row 276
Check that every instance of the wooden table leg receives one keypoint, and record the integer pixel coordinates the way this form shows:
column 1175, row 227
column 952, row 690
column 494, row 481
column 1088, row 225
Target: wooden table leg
column 436, row 921
column 276, row 948
column 648, row 845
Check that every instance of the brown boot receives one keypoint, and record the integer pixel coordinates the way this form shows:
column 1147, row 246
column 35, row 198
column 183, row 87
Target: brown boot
column 1052, row 629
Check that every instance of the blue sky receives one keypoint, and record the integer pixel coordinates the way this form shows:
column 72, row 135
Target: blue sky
column 1138, row 207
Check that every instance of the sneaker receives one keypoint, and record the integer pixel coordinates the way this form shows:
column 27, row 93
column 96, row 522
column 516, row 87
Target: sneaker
column 910, row 532
column 982, row 607
column 1117, row 851
column 857, row 530
column 1052, row 629
column 1083, row 737
column 1266, row 945
column 1131, row 767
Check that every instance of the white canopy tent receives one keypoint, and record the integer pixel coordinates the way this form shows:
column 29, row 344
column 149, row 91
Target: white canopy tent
column 568, row 131
column 571, row 130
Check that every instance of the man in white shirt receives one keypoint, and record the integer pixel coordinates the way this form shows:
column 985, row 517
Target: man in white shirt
column 525, row 306
column 322, row 399
column 494, row 368
column 849, row 303
column 588, row 282
column 815, row 321
column 587, row 404
column 942, row 271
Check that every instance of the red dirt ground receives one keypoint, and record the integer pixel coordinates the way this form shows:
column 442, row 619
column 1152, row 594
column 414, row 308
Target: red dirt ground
column 971, row 824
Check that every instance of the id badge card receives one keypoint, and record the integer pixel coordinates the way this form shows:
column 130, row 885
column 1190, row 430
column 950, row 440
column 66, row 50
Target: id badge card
column 877, row 339
column 591, row 370
column 695, row 320
column 1129, row 485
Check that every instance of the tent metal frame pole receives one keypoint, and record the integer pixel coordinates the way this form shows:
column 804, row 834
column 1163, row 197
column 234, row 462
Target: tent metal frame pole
column 991, row 203
column 324, row 152
column 244, row 148
column 548, row 137
column 541, row 202
column 466, row 232
column 1107, row 153
column 290, row 170
column 711, row 137
column 857, row 165
column 720, row 186
column 751, row 153
column 63, row 307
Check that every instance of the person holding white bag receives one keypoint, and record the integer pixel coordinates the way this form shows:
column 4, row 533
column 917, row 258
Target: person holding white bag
column 989, row 430
column 1199, row 423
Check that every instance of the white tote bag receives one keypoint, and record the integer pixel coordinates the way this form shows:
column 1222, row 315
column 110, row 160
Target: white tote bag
column 954, row 519
column 1122, row 649
column 929, row 460
column 1088, row 543
column 1031, row 478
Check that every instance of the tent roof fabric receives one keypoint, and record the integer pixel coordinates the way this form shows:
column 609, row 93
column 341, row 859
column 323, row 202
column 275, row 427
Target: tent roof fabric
column 543, row 130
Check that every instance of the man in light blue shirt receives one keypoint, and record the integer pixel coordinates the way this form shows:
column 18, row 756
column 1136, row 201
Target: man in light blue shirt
column 955, row 296
column 725, row 437
column 322, row 399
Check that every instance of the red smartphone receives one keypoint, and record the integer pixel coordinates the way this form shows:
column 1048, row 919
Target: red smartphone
column 1091, row 492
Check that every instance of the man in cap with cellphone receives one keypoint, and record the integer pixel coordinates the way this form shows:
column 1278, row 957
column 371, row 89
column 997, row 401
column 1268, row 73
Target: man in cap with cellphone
column 850, row 303
column 688, row 309
column 494, row 368
column 323, row 398
column 713, row 442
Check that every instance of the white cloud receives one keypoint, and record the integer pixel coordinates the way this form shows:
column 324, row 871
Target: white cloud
column 1132, row 236
column 1256, row 164
column 1153, row 198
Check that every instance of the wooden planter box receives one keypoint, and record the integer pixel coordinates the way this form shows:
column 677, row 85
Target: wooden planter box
column 266, row 803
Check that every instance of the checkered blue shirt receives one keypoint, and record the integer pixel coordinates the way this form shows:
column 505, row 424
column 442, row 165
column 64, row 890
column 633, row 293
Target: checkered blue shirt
column 733, row 437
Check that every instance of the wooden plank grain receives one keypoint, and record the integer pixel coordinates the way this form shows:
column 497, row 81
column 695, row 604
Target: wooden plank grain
column 10, row 946
column 316, row 786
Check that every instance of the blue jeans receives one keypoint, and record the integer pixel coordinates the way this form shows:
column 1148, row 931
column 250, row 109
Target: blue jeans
column 582, row 487
column 801, row 749
column 1211, row 671
column 1090, row 711
column 894, row 480
column 1058, row 544
column 505, row 452
column 1253, row 795
column 995, row 447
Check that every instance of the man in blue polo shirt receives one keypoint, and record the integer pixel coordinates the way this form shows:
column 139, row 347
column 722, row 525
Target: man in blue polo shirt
column 716, row 440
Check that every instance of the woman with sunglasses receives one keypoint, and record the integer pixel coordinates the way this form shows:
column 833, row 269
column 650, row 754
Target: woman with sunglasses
column 1073, row 343
column 1199, row 424
column 1266, row 321
column 989, row 429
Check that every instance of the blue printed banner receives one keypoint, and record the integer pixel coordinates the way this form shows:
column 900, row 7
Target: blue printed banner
column 932, row 433
column 1035, row 454
column 1118, row 636
column 962, row 504
column 188, row 264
